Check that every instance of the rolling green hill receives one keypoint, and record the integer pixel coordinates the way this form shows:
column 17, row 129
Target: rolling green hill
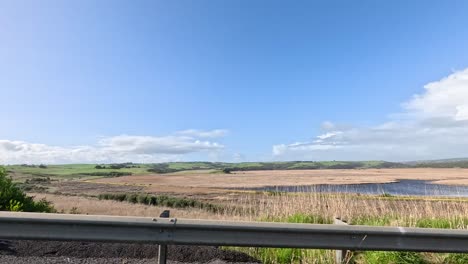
column 122, row 169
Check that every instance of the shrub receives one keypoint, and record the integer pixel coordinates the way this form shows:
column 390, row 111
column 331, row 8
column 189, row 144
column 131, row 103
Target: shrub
column 131, row 198
column 143, row 199
column 38, row 180
column 74, row 210
column 108, row 174
column 227, row 170
column 153, row 200
column 161, row 200
column 12, row 198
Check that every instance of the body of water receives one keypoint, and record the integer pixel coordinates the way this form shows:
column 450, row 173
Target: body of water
column 403, row 187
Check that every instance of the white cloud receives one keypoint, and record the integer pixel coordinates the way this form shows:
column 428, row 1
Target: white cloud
column 282, row 149
column 159, row 145
column 446, row 98
column 216, row 133
column 111, row 149
column 327, row 125
column 462, row 112
column 433, row 124
column 327, row 135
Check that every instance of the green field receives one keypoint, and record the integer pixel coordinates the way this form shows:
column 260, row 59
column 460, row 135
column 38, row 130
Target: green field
column 112, row 170
column 71, row 171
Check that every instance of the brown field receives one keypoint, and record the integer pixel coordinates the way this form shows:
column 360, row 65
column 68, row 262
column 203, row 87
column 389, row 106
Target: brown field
column 201, row 182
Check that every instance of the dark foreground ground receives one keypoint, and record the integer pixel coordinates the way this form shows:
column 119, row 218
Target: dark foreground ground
column 30, row 252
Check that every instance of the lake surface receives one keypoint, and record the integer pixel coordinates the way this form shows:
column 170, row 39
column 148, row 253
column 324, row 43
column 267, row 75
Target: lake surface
column 403, row 187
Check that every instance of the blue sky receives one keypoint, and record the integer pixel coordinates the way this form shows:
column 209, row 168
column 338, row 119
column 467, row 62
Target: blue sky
column 151, row 81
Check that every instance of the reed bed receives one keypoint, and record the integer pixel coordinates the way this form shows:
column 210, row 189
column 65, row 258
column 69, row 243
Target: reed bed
column 384, row 210
column 320, row 208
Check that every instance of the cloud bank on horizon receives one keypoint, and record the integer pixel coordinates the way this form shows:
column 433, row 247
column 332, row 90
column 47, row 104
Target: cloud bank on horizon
column 121, row 148
column 432, row 125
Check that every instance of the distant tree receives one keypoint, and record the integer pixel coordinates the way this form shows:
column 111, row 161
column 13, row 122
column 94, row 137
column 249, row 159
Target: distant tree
column 227, row 170
column 42, row 166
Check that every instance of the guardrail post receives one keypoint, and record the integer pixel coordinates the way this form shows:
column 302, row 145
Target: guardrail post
column 162, row 251
column 340, row 256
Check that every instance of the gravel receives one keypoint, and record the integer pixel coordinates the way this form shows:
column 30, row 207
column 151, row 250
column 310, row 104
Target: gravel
column 67, row 260
column 29, row 252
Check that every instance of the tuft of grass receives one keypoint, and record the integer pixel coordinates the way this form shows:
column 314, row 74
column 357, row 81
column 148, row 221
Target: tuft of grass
column 383, row 257
column 371, row 220
column 456, row 258
column 451, row 223
column 299, row 218
column 386, row 195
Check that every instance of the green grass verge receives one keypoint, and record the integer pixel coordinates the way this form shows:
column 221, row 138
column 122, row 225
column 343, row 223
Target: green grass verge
column 285, row 255
column 370, row 257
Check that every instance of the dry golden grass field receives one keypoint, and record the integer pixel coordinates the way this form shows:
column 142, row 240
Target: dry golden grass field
column 201, row 182
column 311, row 207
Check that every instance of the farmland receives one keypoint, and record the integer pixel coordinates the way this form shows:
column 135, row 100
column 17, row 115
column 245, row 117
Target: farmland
column 213, row 181
column 249, row 179
column 208, row 191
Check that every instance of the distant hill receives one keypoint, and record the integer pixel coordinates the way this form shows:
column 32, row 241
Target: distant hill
column 286, row 165
column 440, row 163
column 436, row 161
column 305, row 165
column 121, row 169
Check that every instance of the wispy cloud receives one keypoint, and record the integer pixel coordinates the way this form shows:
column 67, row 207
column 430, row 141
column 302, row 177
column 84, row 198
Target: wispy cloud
column 216, row 133
column 110, row 149
column 433, row 124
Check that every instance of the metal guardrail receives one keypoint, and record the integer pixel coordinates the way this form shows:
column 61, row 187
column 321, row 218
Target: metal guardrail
column 168, row 231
